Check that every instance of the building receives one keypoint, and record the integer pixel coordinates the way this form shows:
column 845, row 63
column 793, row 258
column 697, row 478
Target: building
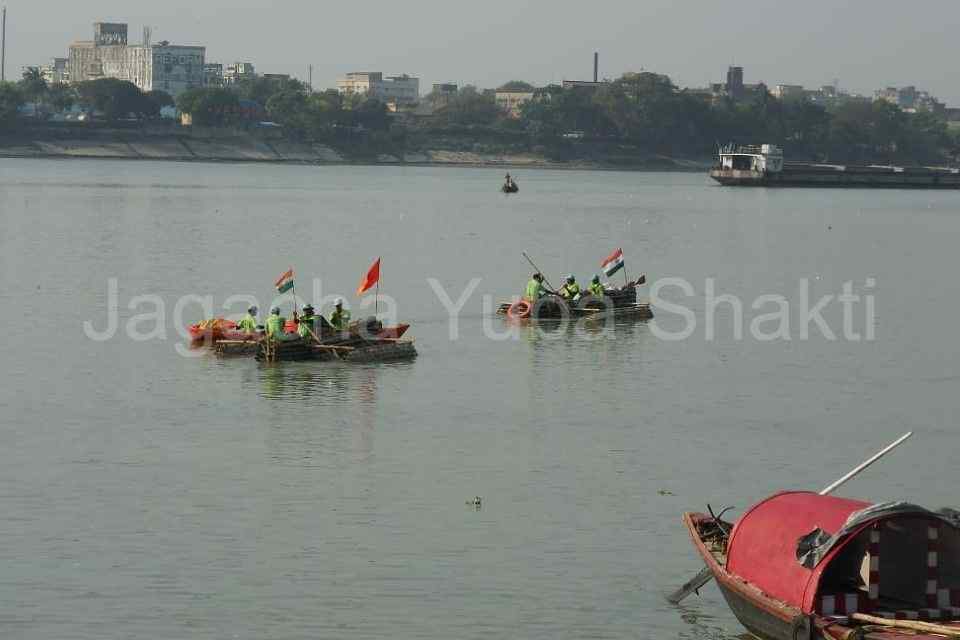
column 510, row 101
column 276, row 77
column 55, row 72
column 445, row 88
column 584, row 85
column 788, row 91
column 889, row 94
column 442, row 94
column 213, row 74
column 238, row 72
column 734, row 86
column 401, row 90
column 910, row 99
column 160, row 67
column 360, row 83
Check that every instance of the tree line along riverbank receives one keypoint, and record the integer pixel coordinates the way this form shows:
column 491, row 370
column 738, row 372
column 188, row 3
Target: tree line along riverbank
column 640, row 120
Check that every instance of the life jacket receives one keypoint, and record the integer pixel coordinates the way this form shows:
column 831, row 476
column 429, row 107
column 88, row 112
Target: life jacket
column 570, row 291
column 340, row 319
column 534, row 290
column 305, row 328
column 248, row 324
column 275, row 325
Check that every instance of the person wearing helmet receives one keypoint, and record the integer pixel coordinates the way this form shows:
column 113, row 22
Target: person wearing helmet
column 248, row 324
column 570, row 290
column 340, row 318
column 535, row 289
column 275, row 323
column 306, row 327
column 596, row 287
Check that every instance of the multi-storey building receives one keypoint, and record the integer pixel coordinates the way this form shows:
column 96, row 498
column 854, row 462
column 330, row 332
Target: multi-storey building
column 237, row 72
column 158, row 67
column 400, row 90
column 510, row 100
column 213, row 74
column 55, row 72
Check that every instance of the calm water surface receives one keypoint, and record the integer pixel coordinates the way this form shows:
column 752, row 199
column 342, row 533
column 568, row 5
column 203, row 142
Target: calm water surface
column 151, row 495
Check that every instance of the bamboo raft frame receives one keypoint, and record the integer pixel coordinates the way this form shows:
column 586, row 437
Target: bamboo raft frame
column 638, row 311
column 271, row 350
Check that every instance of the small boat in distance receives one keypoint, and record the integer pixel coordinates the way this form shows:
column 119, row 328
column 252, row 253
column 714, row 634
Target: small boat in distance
column 801, row 565
column 509, row 185
column 764, row 166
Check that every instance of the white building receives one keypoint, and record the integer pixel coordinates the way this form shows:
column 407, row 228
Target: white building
column 160, row 67
column 400, row 90
column 55, row 72
column 788, row 91
column 511, row 101
column 237, row 72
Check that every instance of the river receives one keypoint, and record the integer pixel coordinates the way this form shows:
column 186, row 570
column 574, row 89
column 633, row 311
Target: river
column 151, row 491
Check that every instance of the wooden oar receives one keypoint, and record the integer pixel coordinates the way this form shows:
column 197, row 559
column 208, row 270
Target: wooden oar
column 705, row 575
column 925, row 627
column 538, row 271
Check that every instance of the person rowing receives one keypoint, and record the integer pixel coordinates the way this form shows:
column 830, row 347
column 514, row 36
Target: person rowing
column 307, row 323
column 275, row 324
column 570, row 291
column 596, row 287
column 248, row 324
column 340, row 318
column 535, row 289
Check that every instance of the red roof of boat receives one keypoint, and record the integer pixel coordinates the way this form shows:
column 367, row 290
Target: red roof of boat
column 763, row 544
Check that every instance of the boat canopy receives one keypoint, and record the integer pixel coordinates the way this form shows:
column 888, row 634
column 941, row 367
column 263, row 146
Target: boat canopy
column 793, row 543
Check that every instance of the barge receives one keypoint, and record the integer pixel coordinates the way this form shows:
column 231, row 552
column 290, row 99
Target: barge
column 764, row 166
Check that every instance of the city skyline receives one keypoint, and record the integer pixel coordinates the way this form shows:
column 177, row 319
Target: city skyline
column 490, row 45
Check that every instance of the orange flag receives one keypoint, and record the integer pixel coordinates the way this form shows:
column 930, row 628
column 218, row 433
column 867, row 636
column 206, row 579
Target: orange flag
column 372, row 278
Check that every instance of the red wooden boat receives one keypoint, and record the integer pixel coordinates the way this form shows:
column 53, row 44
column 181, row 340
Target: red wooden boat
column 217, row 329
column 801, row 566
column 212, row 330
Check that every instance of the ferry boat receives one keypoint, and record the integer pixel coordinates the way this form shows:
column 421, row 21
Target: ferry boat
column 764, row 166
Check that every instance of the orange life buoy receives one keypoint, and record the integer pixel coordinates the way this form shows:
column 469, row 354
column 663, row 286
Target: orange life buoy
column 520, row 309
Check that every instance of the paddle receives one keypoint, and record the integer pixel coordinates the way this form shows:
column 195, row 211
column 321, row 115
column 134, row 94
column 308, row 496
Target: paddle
column 538, row 271
column 706, row 575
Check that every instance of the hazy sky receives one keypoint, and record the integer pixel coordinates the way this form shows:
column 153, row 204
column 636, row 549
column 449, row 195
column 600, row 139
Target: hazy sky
column 865, row 44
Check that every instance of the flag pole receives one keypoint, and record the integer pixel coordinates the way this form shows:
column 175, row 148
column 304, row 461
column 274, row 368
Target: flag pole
column 293, row 290
column 376, row 296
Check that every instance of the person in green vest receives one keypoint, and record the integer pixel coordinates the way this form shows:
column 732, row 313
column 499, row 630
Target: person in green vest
column 570, row 290
column 307, row 323
column 275, row 323
column 535, row 289
column 596, row 287
column 340, row 318
column 248, row 324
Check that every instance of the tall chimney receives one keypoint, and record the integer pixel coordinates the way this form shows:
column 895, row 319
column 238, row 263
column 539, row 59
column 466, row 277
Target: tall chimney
column 596, row 66
column 3, row 46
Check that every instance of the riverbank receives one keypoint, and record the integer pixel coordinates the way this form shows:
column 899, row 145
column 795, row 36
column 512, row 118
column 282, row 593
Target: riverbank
column 229, row 146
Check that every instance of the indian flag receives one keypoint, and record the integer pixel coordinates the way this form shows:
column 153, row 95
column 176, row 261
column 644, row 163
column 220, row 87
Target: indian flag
column 613, row 263
column 285, row 283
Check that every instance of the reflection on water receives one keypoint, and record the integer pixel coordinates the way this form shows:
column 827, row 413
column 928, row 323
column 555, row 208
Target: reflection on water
column 554, row 342
column 336, row 407
column 310, row 500
column 704, row 626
